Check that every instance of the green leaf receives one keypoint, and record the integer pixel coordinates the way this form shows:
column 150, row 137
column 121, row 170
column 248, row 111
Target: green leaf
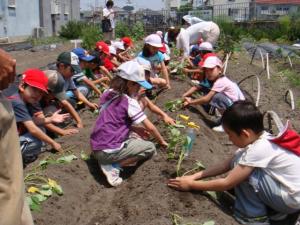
column 66, row 159
column 58, row 190
column 46, row 187
column 175, row 132
column 38, row 198
column 46, row 193
column 34, row 206
column 84, row 156
column 179, row 125
column 211, row 222
column 212, row 194
column 43, row 162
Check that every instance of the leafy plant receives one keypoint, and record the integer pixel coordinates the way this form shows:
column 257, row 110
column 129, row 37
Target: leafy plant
column 72, row 30
column 50, row 160
column 187, row 142
column 90, row 35
column 175, row 140
column 122, row 29
column 137, row 31
column 174, row 105
column 198, row 166
column 292, row 77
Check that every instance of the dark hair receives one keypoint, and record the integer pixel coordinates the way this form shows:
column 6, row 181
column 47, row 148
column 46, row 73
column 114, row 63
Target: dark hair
column 146, row 51
column 243, row 115
column 172, row 34
column 203, row 52
column 108, row 42
column 119, row 84
column 109, row 3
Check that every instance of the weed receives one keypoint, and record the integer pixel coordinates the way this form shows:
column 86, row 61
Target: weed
column 46, row 40
column 292, row 77
column 72, row 30
column 174, row 105
column 90, row 35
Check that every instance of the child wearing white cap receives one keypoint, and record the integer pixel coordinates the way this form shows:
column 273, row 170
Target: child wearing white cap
column 223, row 92
column 151, row 53
column 119, row 112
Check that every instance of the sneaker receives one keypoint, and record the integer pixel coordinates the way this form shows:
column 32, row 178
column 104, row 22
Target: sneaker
column 218, row 128
column 112, row 174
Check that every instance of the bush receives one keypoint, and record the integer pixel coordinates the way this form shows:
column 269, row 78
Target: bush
column 90, row 35
column 137, row 31
column 72, row 30
column 122, row 29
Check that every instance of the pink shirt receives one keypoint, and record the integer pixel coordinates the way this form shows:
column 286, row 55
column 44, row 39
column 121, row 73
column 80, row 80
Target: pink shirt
column 229, row 88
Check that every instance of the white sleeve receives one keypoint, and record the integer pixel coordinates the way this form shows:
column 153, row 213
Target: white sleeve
column 183, row 42
column 106, row 12
column 135, row 112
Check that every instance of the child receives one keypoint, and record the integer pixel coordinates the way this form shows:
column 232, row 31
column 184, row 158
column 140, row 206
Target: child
column 25, row 105
column 128, row 45
column 119, row 112
column 265, row 176
column 103, row 49
column 156, row 58
column 223, row 91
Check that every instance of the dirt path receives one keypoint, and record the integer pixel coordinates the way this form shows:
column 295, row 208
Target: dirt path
column 143, row 198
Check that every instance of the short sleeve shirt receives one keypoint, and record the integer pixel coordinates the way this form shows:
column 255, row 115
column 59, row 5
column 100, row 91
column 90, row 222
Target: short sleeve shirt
column 229, row 88
column 281, row 164
column 155, row 60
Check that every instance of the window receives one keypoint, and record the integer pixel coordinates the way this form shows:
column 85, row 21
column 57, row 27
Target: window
column 264, row 8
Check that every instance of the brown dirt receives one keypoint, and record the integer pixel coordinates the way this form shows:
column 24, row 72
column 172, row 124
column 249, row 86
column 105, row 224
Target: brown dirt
column 144, row 198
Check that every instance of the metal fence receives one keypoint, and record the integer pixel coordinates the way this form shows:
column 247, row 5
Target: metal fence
column 236, row 12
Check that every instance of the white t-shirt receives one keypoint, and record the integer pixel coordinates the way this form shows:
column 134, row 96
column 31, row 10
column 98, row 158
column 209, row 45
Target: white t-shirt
column 108, row 13
column 229, row 88
column 205, row 30
column 281, row 164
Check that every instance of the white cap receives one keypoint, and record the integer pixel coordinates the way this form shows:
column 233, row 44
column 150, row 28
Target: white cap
column 159, row 33
column 206, row 46
column 112, row 50
column 133, row 71
column 211, row 62
column 153, row 40
column 144, row 63
column 118, row 45
column 187, row 18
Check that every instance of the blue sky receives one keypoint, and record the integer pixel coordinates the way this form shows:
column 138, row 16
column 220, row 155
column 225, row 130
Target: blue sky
column 151, row 4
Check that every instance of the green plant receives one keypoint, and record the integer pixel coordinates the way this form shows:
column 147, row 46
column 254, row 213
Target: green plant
column 45, row 40
column 292, row 77
column 198, row 166
column 61, row 160
column 187, row 142
column 175, row 140
column 174, row 105
column 72, row 30
column 122, row 29
column 137, row 31
column 90, row 35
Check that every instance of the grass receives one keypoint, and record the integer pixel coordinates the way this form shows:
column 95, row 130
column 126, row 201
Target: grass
column 292, row 77
column 46, row 40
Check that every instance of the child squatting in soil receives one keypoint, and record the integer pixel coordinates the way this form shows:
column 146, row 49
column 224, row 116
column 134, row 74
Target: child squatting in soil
column 119, row 112
column 264, row 175
column 223, row 91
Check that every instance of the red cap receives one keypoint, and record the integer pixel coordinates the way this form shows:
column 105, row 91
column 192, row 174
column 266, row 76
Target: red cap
column 163, row 49
column 102, row 46
column 127, row 41
column 36, row 78
column 201, row 63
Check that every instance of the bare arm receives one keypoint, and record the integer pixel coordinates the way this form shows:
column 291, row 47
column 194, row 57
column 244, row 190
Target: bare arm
column 165, row 73
column 91, row 85
column 152, row 129
column 38, row 133
column 203, row 100
column 105, row 72
column 73, row 112
column 82, row 98
column 190, row 91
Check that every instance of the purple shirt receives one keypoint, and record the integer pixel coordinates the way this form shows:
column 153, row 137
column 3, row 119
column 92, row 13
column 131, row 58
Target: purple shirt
column 113, row 124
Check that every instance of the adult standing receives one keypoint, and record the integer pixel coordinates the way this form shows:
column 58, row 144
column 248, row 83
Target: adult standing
column 206, row 31
column 13, row 209
column 108, row 15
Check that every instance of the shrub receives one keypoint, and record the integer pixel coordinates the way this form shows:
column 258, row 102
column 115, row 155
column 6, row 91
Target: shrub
column 90, row 35
column 122, row 29
column 137, row 31
column 72, row 30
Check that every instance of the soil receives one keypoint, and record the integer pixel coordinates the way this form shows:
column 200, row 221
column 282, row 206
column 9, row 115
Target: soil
column 144, row 198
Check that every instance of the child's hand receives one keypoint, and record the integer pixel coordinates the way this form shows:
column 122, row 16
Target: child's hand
column 93, row 106
column 164, row 144
column 70, row 131
column 181, row 183
column 169, row 120
column 187, row 101
column 56, row 146
column 59, row 118
column 79, row 125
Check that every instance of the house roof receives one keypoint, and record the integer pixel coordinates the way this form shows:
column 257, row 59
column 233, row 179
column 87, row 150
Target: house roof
column 277, row 2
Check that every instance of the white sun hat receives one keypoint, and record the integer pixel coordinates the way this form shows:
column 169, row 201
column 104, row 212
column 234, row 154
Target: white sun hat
column 118, row 45
column 206, row 46
column 133, row 71
column 212, row 61
column 153, row 40
column 112, row 50
column 144, row 63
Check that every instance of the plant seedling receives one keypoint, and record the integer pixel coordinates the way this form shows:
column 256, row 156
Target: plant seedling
column 174, row 105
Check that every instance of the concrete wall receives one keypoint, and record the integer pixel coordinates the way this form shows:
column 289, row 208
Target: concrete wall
column 19, row 20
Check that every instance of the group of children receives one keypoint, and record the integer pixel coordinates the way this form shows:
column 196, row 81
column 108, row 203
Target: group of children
column 264, row 175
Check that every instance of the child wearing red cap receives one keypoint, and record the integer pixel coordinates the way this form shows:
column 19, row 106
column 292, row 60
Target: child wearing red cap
column 128, row 44
column 25, row 104
column 103, row 49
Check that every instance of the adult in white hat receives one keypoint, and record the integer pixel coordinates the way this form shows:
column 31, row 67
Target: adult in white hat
column 199, row 32
column 151, row 53
column 191, row 20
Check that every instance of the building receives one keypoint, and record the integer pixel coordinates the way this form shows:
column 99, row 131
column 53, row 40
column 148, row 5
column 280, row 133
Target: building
column 175, row 4
column 272, row 9
column 55, row 13
column 18, row 19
